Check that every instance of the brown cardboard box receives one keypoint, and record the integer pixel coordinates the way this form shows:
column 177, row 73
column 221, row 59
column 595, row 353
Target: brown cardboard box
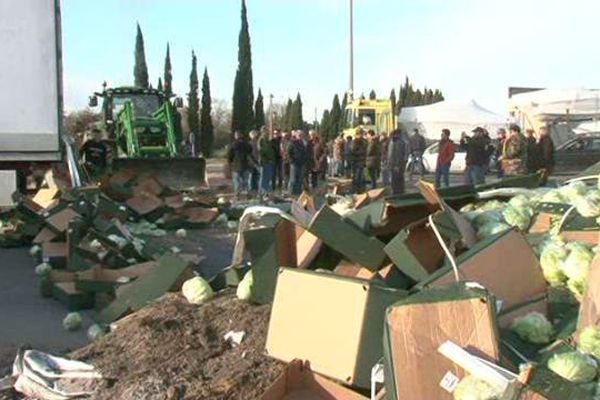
column 418, row 325
column 307, row 247
column 589, row 312
column 59, row 222
column 45, row 197
column 333, row 322
column 298, row 382
column 346, row 268
column 505, row 265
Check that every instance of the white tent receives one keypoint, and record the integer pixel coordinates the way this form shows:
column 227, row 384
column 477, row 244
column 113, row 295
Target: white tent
column 456, row 116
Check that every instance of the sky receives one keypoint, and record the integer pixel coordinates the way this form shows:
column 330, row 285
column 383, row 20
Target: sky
column 469, row 49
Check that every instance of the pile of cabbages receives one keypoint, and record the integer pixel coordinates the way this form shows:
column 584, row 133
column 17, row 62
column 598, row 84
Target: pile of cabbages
column 564, row 264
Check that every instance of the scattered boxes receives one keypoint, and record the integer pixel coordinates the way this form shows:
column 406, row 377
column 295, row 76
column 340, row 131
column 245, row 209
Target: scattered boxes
column 333, row 322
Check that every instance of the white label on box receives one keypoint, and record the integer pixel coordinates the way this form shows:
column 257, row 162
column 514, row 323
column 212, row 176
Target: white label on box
column 449, row 382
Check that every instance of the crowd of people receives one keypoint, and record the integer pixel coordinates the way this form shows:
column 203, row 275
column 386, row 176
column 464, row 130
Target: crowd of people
column 290, row 162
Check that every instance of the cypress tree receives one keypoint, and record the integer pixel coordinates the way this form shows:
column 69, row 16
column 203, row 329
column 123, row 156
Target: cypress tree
column 393, row 100
column 193, row 102
column 242, row 118
column 335, row 116
column 341, row 123
column 325, row 128
column 289, row 110
column 207, row 134
column 297, row 118
column 259, row 111
column 168, row 73
column 372, row 95
column 160, row 85
column 140, row 70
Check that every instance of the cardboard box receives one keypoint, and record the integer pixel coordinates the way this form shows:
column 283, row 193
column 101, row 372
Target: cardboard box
column 416, row 326
column 333, row 322
column 347, row 239
column 45, row 197
column 59, row 222
column 416, row 251
column 55, row 253
column 271, row 245
column 505, row 264
column 298, row 382
column 589, row 312
column 307, row 247
column 346, row 268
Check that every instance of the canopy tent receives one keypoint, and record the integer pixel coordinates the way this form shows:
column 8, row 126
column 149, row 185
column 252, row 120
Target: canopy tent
column 561, row 109
column 456, row 116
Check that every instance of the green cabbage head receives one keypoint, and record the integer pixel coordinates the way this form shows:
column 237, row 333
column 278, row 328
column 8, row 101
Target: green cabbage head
column 533, row 328
column 552, row 256
column 589, row 341
column 244, row 289
column 472, row 388
column 573, row 366
column 196, row 290
column 72, row 321
column 518, row 217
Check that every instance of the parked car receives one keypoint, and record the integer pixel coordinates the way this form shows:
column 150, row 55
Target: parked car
column 578, row 153
column 430, row 159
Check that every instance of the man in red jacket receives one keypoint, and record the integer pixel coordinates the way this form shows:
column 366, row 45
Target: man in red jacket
column 445, row 157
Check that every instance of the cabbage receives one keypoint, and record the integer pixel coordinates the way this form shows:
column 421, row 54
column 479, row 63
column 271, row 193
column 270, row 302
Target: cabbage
column 578, row 246
column 244, row 289
column 492, row 204
column 181, row 233
column 472, row 388
column 573, row 366
column 519, row 201
column 491, row 228
column 518, row 217
column 552, row 196
column 589, row 341
column 35, row 251
column 43, row 269
column 72, row 321
column 573, row 191
column 489, row 216
column 551, row 258
column 196, row 290
column 468, row 208
column 588, row 206
column 118, row 240
column 533, row 328
column 577, row 263
column 96, row 246
column 95, row 331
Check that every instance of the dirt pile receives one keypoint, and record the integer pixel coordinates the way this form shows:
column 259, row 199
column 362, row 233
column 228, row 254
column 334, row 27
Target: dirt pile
column 174, row 350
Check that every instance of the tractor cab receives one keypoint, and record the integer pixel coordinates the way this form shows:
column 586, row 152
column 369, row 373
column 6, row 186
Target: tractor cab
column 368, row 115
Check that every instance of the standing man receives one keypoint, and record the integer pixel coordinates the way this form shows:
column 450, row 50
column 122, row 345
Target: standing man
column 501, row 137
column 476, row 158
column 373, row 157
column 284, row 147
column 398, row 152
column 239, row 157
column 418, row 146
column 319, row 159
column 338, row 156
column 545, row 149
column 277, row 181
column 254, row 169
column 309, row 160
column 533, row 156
column 348, row 156
column 359, row 159
column 266, row 162
column 385, row 168
column 297, row 158
column 444, row 159
column 95, row 154
column 514, row 153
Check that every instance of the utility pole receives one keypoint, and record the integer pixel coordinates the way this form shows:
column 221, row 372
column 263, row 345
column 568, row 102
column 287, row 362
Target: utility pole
column 271, row 113
column 351, row 83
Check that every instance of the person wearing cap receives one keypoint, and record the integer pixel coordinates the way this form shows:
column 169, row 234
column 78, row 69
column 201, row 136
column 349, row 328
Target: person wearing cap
column 373, row 157
column 94, row 153
column 444, row 159
column 514, row 152
column 477, row 157
column 359, row 160
column 398, row 152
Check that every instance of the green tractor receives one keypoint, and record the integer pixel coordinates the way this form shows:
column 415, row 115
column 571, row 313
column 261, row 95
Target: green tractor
column 141, row 129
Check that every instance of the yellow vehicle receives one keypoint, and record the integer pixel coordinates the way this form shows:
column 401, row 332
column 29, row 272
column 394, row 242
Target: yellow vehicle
column 377, row 115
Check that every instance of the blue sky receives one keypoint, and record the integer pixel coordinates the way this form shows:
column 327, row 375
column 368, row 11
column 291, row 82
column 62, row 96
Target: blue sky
column 467, row 48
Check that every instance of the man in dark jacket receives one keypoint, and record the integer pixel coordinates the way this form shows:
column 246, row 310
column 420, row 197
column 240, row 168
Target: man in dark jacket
column 384, row 141
column 348, row 156
column 477, row 157
column 266, row 160
column 359, row 160
column 533, row 156
column 319, row 156
column 545, row 149
column 297, row 157
column 417, row 147
column 514, row 152
column 95, row 154
column 254, row 172
column 373, row 157
column 277, row 180
column 239, row 157
column 398, row 152
column 284, row 147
